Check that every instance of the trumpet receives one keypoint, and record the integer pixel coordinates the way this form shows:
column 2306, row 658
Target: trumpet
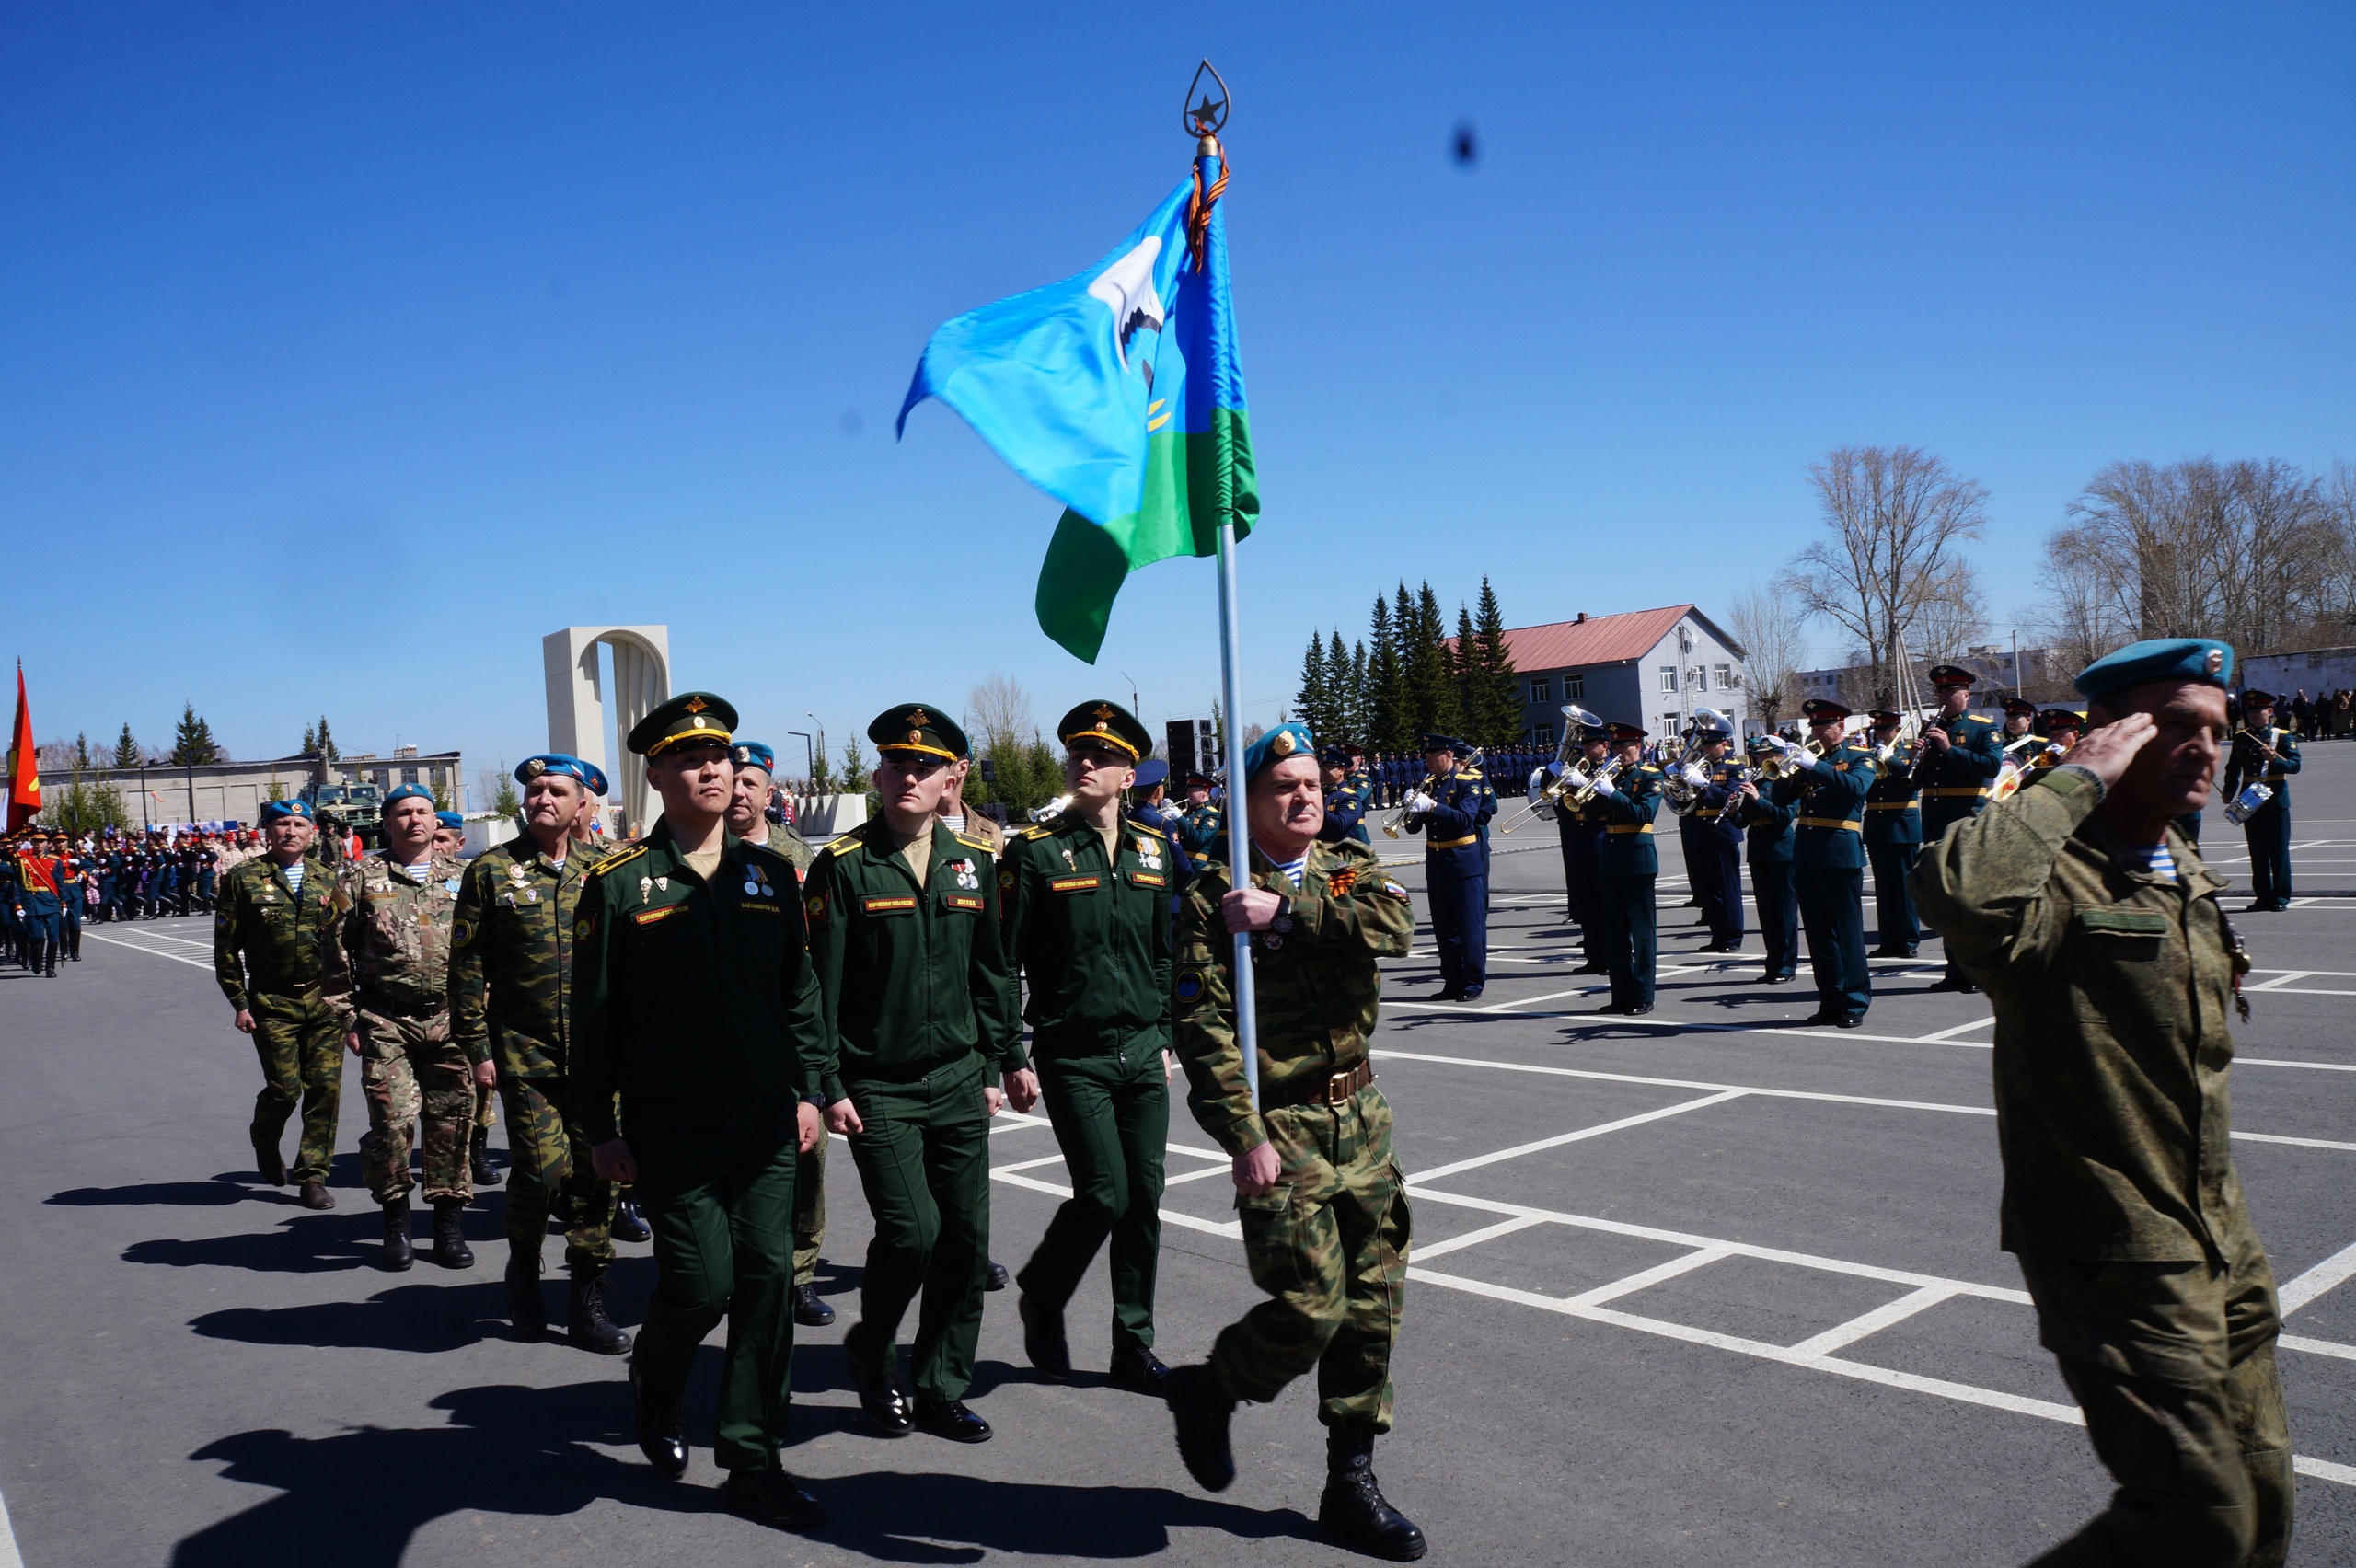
column 1401, row 816
column 2014, row 767
column 1580, row 797
column 1052, row 810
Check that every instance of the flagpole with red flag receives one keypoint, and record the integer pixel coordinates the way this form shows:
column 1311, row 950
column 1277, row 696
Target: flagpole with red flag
column 24, row 764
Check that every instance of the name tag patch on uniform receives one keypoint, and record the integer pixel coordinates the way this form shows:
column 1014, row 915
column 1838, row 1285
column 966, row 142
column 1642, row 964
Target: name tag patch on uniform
column 648, row 916
column 758, row 909
column 1146, row 879
column 886, row 904
column 962, row 901
column 1075, row 885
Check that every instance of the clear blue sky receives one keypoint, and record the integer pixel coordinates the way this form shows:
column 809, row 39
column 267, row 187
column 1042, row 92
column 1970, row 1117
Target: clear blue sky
column 348, row 348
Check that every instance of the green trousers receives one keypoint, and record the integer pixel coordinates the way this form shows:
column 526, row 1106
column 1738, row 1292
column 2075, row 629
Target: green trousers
column 1112, row 1120
column 810, row 1210
column 924, row 1158
column 1330, row 1248
column 300, row 1047
column 2172, row 1364
column 722, row 1219
column 546, row 1155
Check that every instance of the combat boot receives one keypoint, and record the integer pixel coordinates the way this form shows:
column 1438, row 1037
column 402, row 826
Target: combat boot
column 1202, row 1409
column 450, row 1248
column 396, row 1250
column 1353, row 1512
column 478, row 1160
column 526, row 1312
column 590, row 1327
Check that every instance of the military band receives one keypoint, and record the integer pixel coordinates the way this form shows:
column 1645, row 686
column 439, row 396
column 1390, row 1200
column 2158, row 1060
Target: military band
column 1706, row 830
column 1580, row 824
column 1827, row 781
column 1893, row 832
column 2264, row 757
column 1628, row 868
column 1451, row 809
column 1767, row 837
column 1955, row 764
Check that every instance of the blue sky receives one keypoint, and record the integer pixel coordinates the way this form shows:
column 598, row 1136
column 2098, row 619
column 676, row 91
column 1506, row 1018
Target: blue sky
column 350, row 349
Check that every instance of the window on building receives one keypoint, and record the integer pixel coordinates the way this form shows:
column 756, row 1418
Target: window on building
column 408, row 774
column 1544, row 736
column 1725, row 678
column 1668, row 677
column 1574, row 688
column 1541, row 689
column 1700, row 677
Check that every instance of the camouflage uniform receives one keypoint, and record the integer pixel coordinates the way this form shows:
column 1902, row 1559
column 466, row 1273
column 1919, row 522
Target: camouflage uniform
column 2111, row 988
column 284, row 941
column 1329, row 1244
column 388, row 978
column 511, row 980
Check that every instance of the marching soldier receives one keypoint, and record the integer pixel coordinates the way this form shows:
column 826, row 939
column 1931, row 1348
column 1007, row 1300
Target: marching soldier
column 1451, row 809
column 1829, row 858
column 982, row 827
column 1768, row 836
column 512, row 970
column 37, row 903
column 1893, row 839
column 748, row 819
column 1348, row 793
column 1629, row 868
column 1319, row 1195
column 920, row 1013
column 73, row 889
column 2112, row 969
column 271, row 935
column 450, row 839
column 1086, row 909
column 2264, row 754
column 388, row 981
column 1580, row 830
column 1708, row 836
column 695, row 1009
column 589, row 836
column 1955, row 764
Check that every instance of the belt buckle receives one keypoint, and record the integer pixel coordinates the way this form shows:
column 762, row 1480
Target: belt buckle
column 1340, row 1085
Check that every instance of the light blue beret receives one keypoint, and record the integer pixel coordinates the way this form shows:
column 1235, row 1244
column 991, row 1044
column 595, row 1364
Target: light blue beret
column 1287, row 740
column 451, row 820
column 752, row 754
column 406, row 792
column 533, row 768
column 272, row 810
column 2203, row 659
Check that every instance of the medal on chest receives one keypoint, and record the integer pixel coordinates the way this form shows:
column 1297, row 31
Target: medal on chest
column 756, row 880
column 1150, row 853
column 966, row 875
column 645, row 889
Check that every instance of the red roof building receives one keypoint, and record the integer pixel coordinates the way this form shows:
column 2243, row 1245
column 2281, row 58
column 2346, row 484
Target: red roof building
column 1648, row 668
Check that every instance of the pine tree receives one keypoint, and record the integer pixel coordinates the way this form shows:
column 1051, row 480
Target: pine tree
column 325, row 741
column 1386, row 697
column 1346, row 722
column 82, row 752
column 1500, row 683
column 1431, row 677
column 126, row 749
column 1362, row 726
column 1313, row 702
column 1463, row 665
column 193, row 744
column 310, row 741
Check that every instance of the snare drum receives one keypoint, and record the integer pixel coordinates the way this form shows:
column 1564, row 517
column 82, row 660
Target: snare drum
column 2248, row 803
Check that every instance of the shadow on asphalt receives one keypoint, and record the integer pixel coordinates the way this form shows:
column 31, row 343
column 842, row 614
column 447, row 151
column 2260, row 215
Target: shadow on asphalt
column 514, row 1450
column 230, row 1187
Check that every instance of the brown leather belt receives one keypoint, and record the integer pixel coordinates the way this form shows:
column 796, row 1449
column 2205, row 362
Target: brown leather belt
column 1334, row 1090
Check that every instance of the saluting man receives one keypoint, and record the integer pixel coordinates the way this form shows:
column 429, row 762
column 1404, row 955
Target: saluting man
column 1630, row 870
column 2265, row 754
column 1086, row 906
column 1956, row 764
column 922, row 1045
column 1451, row 809
column 1829, row 860
column 1317, row 1191
column 695, row 1002
column 1767, row 837
column 1893, row 828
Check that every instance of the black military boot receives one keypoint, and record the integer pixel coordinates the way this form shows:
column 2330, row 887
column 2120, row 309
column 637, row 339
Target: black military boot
column 478, row 1163
column 1139, row 1370
column 1353, row 1512
column 627, row 1224
column 1202, row 1411
column 450, row 1248
column 396, row 1250
column 525, row 1310
column 590, row 1327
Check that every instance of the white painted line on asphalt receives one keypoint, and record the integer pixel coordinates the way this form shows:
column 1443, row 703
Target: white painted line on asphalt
column 2301, row 1143
column 1471, row 1238
column 1230, row 1228
column 2282, row 979
column 1644, row 1279
column 1720, row 1097
column 9, row 1556
column 151, row 952
column 2332, row 1348
column 1869, row 1323
column 2334, row 1270
column 1029, row 1164
column 2271, row 1062
column 2324, row 1469
column 1204, row 1174
column 1958, row 1029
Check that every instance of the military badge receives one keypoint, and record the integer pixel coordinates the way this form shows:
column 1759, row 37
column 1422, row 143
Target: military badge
column 1190, row 984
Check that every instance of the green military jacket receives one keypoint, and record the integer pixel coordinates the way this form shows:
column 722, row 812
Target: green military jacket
column 511, row 956
column 282, row 938
column 1630, row 803
column 694, row 1000
column 2111, row 989
column 392, row 949
column 912, row 979
column 1092, row 935
column 1830, row 793
column 1317, row 986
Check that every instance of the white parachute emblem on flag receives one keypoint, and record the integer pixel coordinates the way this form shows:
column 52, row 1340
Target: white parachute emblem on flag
column 1127, row 287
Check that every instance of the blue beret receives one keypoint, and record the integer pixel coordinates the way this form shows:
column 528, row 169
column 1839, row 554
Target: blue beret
column 1151, row 771
column 451, row 820
column 752, row 754
column 533, row 768
column 2203, row 659
column 596, row 778
column 272, row 810
column 404, row 792
column 1284, row 741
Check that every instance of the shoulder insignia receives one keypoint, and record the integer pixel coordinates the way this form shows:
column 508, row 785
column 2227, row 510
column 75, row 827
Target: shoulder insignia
column 1035, row 834
column 845, row 844
column 620, row 857
column 981, row 844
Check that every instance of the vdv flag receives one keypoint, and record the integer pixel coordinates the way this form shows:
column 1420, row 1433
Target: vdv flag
column 1119, row 393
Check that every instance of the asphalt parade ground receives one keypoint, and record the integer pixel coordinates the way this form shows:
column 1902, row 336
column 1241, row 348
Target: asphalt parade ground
column 1708, row 1286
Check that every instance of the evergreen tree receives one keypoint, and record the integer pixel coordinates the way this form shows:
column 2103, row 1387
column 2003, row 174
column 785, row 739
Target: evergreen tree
column 1500, row 684
column 82, row 752
column 1386, row 694
column 193, row 744
column 310, row 741
column 1363, row 725
column 1314, row 701
column 1463, row 654
column 325, row 741
column 126, row 749
column 1431, row 674
column 1347, row 722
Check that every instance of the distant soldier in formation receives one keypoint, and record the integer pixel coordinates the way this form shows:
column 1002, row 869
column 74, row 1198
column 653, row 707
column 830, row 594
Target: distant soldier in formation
column 1893, row 830
column 2264, row 753
column 1955, row 764
column 1451, row 809
column 2020, row 719
column 1829, row 859
column 1629, row 870
column 1768, row 838
column 1318, row 1191
column 1348, row 794
column 450, row 839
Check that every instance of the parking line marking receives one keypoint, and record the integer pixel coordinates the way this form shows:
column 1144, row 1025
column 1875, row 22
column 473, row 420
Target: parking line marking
column 1644, row 1279
column 2281, row 1138
column 2282, row 979
column 9, row 1556
column 2334, row 1270
column 1232, row 1229
column 1951, row 1034
column 1478, row 1161
column 153, row 952
column 1869, row 1323
column 1473, row 1238
column 2317, row 1347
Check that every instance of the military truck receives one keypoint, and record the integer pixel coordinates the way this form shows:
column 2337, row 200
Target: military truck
column 342, row 809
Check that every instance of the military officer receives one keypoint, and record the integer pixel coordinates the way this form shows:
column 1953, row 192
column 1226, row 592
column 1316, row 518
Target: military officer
column 73, row 890
column 1322, row 1207
column 1086, row 911
column 271, row 935
column 1955, row 764
column 1829, row 859
column 2020, row 719
column 749, row 819
column 1201, row 827
column 1451, row 808
column 1893, row 832
column 920, row 1017
column 1348, row 793
column 36, row 900
column 2263, row 753
column 2111, row 967
column 1628, row 870
column 511, row 952
column 1708, row 836
column 1150, row 807
column 978, row 825
column 1580, row 829
column 695, row 1009
column 1768, row 838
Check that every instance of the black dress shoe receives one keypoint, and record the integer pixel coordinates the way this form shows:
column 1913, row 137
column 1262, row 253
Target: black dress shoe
column 1819, row 1016
column 270, row 1163
column 662, row 1433
column 1141, row 1371
column 1471, row 994
column 1447, row 996
column 1957, row 984
column 1610, row 1007
column 1043, row 1338
column 994, row 1277
column 950, row 1419
column 1850, row 1020
column 810, row 1308
column 1779, row 979
column 1639, row 1010
column 884, row 1404
column 398, row 1255
column 773, row 1498
column 1592, row 969
column 1202, row 1411
column 450, row 1248
column 627, row 1224
column 1889, row 952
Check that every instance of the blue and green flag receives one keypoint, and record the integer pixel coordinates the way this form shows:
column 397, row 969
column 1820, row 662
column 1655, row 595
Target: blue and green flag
column 1118, row 392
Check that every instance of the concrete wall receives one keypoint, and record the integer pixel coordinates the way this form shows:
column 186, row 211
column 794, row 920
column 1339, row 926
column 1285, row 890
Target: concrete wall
column 2316, row 669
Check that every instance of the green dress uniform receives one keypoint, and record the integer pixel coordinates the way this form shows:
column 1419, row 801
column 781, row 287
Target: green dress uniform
column 1893, row 832
column 2111, row 982
column 281, row 936
column 1090, row 931
column 920, row 1010
column 1828, row 873
column 1629, row 868
column 2268, row 831
column 1956, row 783
column 1768, row 836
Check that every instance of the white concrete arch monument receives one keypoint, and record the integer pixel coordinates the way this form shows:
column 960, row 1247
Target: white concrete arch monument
column 577, row 702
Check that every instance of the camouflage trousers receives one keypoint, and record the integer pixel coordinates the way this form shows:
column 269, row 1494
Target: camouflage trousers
column 546, row 1155
column 809, row 1210
column 411, row 1071
column 486, row 1108
column 301, row 1063
column 1330, row 1248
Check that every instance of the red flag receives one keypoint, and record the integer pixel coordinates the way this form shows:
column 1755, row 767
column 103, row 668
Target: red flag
column 24, row 766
